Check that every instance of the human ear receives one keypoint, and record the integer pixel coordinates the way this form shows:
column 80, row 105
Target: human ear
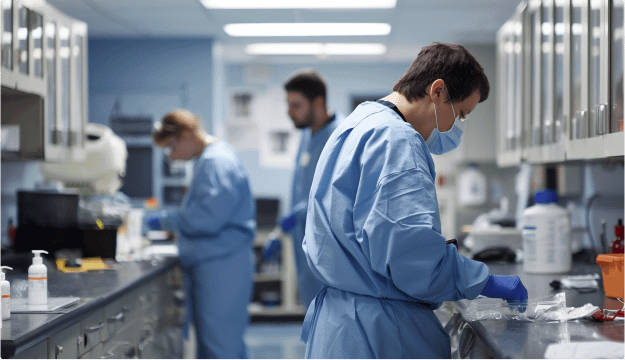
column 318, row 102
column 436, row 89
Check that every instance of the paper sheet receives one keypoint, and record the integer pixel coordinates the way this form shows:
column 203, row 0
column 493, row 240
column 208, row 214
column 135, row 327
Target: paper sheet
column 586, row 350
column 21, row 306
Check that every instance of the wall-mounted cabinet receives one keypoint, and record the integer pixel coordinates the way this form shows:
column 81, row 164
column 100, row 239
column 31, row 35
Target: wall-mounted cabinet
column 560, row 64
column 44, row 65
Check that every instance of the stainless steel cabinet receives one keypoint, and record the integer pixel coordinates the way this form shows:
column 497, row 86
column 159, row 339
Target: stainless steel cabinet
column 143, row 323
column 572, row 90
column 44, row 59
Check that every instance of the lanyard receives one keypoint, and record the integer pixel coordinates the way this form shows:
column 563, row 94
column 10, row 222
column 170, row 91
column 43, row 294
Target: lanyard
column 392, row 107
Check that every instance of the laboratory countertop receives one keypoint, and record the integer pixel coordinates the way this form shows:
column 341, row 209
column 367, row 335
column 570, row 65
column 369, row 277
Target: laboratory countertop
column 95, row 290
column 506, row 338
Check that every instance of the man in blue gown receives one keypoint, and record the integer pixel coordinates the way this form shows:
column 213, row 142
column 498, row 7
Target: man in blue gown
column 373, row 231
column 216, row 225
column 306, row 98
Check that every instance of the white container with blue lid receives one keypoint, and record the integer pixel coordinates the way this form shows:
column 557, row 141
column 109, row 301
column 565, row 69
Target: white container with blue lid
column 546, row 236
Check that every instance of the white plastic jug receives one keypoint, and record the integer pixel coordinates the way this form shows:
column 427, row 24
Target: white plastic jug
column 472, row 187
column 546, row 236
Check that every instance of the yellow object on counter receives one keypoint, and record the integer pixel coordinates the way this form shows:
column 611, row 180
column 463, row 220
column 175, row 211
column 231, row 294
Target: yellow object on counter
column 87, row 264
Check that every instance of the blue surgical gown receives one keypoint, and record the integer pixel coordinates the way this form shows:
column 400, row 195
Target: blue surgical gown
column 307, row 157
column 216, row 225
column 373, row 237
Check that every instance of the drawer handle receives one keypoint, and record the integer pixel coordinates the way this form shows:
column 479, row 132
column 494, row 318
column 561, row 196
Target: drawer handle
column 58, row 350
column 94, row 328
column 109, row 356
column 116, row 318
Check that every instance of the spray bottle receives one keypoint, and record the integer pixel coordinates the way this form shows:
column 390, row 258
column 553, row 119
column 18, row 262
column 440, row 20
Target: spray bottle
column 6, row 295
column 38, row 280
column 617, row 244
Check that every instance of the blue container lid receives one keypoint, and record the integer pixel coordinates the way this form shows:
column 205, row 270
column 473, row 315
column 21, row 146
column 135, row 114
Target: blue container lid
column 546, row 196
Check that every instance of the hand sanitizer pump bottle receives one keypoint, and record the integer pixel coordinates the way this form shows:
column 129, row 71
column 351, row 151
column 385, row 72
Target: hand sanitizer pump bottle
column 6, row 295
column 38, row 280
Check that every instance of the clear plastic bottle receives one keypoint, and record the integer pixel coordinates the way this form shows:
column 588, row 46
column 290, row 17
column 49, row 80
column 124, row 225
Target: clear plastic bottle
column 38, row 280
column 546, row 236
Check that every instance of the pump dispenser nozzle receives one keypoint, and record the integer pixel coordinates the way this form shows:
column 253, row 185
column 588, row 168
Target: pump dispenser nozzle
column 2, row 277
column 37, row 258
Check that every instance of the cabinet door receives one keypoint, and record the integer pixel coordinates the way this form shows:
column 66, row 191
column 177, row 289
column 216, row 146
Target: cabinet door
column 511, row 91
column 55, row 136
column 614, row 141
column 7, row 42
column 115, row 316
column 91, row 329
column 96, row 353
column 596, row 65
column 28, row 48
column 598, row 62
column 535, row 26
column 22, row 54
column 64, row 344
column 123, row 345
column 39, row 351
column 545, row 48
column 78, row 90
column 616, row 66
column 63, row 82
column 560, row 53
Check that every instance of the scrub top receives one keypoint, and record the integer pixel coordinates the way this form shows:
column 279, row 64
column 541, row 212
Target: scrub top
column 307, row 157
column 373, row 237
column 216, row 217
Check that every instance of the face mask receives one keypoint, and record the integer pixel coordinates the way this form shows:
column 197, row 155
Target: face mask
column 442, row 142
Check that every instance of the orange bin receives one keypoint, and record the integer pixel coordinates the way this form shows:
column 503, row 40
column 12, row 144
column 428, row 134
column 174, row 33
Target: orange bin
column 613, row 279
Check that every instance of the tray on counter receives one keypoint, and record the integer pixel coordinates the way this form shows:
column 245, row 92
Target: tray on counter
column 21, row 306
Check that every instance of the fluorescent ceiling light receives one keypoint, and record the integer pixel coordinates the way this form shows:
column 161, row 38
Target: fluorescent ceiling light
column 315, row 49
column 308, row 29
column 299, row 4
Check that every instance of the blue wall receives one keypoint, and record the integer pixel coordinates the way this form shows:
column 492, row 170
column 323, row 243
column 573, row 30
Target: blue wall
column 344, row 80
column 149, row 76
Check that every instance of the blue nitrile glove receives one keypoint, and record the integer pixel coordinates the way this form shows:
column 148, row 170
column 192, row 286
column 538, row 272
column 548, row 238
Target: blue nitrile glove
column 287, row 222
column 153, row 222
column 273, row 245
column 271, row 249
column 509, row 288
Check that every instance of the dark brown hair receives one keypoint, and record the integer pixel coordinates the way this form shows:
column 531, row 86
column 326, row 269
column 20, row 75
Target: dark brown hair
column 173, row 124
column 453, row 64
column 307, row 82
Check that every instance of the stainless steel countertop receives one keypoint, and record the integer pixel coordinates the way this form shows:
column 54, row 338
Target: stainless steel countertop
column 525, row 339
column 95, row 289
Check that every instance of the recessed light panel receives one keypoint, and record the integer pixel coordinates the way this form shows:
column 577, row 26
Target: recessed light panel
column 299, row 4
column 308, row 29
column 315, row 49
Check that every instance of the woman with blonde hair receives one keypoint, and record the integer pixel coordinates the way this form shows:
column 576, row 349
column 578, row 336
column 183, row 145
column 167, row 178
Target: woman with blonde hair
column 215, row 226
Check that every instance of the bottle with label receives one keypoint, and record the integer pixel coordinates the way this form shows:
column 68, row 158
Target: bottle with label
column 38, row 280
column 6, row 295
column 546, row 236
